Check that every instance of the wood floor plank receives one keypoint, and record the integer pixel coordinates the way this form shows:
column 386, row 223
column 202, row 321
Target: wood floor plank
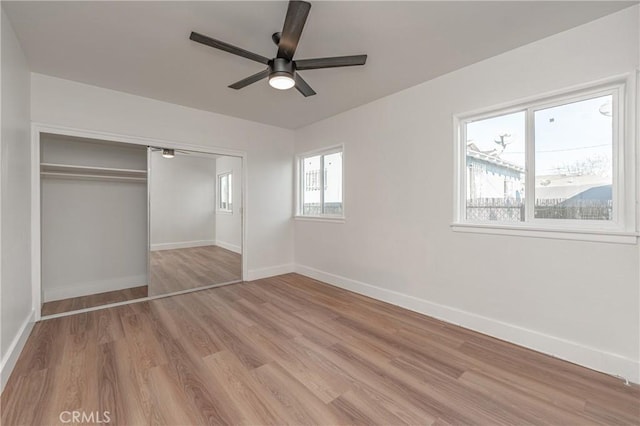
column 136, row 372
column 109, row 326
column 361, row 410
column 606, row 415
column 193, row 387
column 141, row 342
column 570, row 383
column 79, row 373
column 35, row 388
column 194, row 332
column 266, row 319
column 535, row 410
column 302, row 405
column 174, row 407
column 370, row 383
column 304, row 325
column 251, row 399
column 229, row 333
column 303, row 365
column 409, row 348
column 291, row 350
column 111, row 390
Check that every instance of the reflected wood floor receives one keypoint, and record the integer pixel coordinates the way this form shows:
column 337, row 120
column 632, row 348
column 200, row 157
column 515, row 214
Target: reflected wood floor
column 188, row 268
column 82, row 302
column 291, row 350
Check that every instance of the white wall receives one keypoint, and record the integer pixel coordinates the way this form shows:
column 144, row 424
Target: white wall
column 182, row 191
column 578, row 300
column 269, row 152
column 93, row 232
column 15, row 270
column 229, row 225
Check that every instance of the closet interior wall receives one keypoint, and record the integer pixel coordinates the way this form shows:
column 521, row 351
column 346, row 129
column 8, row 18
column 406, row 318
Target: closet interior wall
column 94, row 216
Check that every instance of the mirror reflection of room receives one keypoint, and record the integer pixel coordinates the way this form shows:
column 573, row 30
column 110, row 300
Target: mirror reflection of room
column 195, row 220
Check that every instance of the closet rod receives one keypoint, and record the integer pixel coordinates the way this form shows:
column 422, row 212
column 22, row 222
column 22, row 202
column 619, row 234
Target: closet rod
column 91, row 177
column 74, row 168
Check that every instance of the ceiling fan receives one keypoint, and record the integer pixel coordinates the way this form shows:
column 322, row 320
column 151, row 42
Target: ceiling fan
column 282, row 70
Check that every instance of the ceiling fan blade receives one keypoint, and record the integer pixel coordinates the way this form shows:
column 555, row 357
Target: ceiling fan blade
column 297, row 13
column 337, row 61
column 217, row 44
column 250, row 80
column 303, row 87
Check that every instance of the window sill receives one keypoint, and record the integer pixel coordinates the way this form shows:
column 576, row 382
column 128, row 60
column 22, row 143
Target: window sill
column 331, row 219
column 224, row 211
column 604, row 236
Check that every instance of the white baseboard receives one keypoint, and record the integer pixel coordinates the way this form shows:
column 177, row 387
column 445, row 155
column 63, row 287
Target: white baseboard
column 232, row 247
column 271, row 271
column 182, row 244
column 574, row 352
column 15, row 348
column 93, row 287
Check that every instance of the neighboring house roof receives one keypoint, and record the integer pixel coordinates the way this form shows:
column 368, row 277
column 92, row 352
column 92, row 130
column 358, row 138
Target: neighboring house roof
column 492, row 157
column 564, row 186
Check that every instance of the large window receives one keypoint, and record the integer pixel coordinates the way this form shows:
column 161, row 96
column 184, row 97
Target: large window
column 225, row 192
column 552, row 163
column 320, row 184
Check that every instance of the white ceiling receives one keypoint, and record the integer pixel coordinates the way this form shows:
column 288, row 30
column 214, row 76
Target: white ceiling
column 143, row 47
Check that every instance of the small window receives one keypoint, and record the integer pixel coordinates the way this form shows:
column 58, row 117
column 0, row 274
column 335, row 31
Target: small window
column 225, row 192
column 547, row 163
column 320, row 184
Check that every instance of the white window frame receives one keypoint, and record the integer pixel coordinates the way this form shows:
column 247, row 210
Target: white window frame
column 622, row 227
column 219, row 207
column 298, row 211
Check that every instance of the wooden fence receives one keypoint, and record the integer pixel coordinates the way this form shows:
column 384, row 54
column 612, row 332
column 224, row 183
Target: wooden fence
column 505, row 210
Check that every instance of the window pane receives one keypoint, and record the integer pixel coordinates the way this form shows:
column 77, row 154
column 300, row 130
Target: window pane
column 224, row 189
column 229, row 192
column 311, row 186
column 333, row 184
column 495, row 162
column 574, row 147
column 224, row 193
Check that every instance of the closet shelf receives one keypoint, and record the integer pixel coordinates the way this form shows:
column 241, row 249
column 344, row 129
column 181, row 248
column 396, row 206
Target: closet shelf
column 69, row 171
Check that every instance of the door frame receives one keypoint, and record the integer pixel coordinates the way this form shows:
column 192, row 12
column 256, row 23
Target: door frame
column 36, row 241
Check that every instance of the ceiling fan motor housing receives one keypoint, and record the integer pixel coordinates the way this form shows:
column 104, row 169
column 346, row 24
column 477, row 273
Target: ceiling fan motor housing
column 281, row 67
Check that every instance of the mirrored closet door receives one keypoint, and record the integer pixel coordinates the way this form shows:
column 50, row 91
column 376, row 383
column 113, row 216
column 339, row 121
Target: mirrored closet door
column 195, row 221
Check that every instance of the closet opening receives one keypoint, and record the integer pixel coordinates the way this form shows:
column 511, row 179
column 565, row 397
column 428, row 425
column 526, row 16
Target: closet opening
column 93, row 197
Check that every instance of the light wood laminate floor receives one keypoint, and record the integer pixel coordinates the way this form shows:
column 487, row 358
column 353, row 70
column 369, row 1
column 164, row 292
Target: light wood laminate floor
column 82, row 302
column 189, row 268
column 291, row 350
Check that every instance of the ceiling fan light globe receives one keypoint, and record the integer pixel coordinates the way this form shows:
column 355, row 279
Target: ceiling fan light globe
column 281, row 81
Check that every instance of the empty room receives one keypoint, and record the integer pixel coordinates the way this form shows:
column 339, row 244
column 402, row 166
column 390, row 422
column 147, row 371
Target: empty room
column 320, row 212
